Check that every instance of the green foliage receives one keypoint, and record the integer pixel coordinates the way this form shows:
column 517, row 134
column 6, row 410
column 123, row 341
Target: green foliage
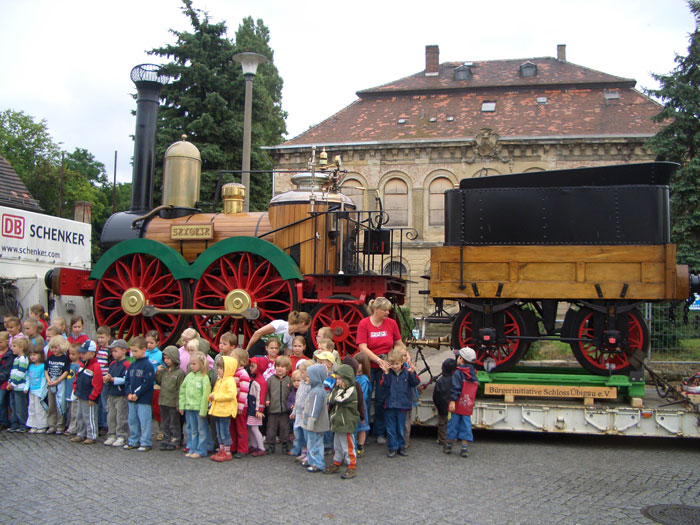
column 206, row 98
column 679, row 142
column 405, row 321
column 82, row 161
column 24, row 142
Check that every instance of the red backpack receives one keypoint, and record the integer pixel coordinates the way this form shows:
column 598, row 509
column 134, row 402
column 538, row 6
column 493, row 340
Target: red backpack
column 464, row 406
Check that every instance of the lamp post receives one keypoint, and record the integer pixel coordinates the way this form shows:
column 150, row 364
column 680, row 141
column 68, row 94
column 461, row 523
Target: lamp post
column 249, row 62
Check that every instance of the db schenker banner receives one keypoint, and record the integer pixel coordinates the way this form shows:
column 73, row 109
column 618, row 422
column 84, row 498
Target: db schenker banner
column 41, row 238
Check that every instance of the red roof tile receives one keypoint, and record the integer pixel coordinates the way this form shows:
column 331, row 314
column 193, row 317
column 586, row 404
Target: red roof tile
column 576, row 106
column 9, row 182
column 499, row 73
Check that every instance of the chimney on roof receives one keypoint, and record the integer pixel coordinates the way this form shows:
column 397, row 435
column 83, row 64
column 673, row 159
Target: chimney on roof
column 561, row 52
column 432, row 61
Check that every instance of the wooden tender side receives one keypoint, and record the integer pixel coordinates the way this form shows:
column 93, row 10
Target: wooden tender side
column 640, row 272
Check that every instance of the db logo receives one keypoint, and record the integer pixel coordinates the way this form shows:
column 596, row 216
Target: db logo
column 12, row 226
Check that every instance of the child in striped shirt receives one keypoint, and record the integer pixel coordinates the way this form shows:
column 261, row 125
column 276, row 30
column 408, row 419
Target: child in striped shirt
column 18, row 385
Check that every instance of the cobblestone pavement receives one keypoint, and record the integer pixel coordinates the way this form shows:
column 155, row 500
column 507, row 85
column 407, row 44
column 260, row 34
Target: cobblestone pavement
column 508, row 478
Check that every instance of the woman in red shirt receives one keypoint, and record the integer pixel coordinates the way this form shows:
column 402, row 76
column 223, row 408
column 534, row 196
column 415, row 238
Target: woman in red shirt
column 377, row 335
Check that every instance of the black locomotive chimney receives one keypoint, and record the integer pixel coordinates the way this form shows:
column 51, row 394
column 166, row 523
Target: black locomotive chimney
column 149, row 80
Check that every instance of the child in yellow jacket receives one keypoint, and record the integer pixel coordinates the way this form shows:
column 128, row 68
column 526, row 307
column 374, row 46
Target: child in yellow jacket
column 224, row 404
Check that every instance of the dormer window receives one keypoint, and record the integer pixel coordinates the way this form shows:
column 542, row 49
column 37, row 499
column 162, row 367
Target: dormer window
column 528, row 70
column 463, row 72
column 488, row 106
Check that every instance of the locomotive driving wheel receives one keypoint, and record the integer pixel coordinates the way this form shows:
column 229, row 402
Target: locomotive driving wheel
column 505, row 351
column 607, row 357
column 240, row 281
column 132, row 282
column 342, row 319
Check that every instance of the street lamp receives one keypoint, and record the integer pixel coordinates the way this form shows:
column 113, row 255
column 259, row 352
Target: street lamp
column 249, row 62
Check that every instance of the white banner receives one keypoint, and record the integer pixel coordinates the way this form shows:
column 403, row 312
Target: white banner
column 32, row 236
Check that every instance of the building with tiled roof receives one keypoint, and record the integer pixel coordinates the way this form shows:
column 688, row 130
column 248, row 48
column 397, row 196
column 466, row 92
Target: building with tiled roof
column 411, row 139
column 13, row 192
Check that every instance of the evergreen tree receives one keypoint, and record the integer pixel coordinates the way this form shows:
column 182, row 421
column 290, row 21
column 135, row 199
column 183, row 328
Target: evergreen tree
column 205, row 100
column 679, row 142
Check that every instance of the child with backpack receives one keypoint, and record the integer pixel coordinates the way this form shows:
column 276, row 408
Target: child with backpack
column 462, row 395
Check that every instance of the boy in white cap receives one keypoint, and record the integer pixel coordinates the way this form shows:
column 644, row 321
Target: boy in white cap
column 462, row 395
column 88, row 388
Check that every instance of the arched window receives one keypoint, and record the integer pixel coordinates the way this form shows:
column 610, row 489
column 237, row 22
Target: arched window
column 353, row 189
column 395, row 268
column 436, row 201
column 396, row 202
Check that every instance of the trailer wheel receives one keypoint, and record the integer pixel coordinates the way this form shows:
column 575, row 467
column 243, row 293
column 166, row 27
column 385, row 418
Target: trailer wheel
column 506, row 354
column 605, row 358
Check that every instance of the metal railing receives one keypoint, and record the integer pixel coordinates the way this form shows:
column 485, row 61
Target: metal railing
column 674, row 333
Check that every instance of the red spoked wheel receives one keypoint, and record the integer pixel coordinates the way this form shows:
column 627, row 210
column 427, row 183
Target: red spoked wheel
column 132, row 282
column 238, row 281
column 505, row 354
column 342, row 319
column 605, row 359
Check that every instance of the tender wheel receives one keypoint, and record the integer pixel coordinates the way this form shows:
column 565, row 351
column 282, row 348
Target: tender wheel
column 248, row 281
column 130, row 283
column 342, row 319
column 505, row 353
column 605, row 359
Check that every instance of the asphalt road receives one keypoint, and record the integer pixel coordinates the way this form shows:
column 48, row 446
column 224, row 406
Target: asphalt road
column 508, row 478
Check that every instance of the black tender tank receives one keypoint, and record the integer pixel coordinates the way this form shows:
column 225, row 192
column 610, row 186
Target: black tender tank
column 621, row 204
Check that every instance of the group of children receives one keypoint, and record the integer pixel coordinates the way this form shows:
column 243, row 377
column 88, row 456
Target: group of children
column 308, row 403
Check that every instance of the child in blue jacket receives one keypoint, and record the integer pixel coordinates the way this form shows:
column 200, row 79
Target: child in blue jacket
column 398, row 384
column 139, row 393
column 462, row 394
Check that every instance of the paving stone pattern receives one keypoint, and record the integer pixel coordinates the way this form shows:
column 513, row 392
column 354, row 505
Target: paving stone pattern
column 508, row 478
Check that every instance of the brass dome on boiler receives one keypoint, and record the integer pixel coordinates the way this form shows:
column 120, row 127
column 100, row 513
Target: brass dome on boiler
column 182, row 168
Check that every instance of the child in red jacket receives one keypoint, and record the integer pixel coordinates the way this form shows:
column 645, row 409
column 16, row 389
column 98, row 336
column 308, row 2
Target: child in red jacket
column 87, row 387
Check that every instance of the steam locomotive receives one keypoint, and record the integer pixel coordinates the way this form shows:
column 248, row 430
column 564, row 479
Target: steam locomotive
column 516, row 248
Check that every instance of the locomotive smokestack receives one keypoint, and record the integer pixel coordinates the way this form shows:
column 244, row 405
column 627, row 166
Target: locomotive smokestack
column 149, row 80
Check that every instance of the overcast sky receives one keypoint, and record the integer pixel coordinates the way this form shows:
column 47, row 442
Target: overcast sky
column 68, row 62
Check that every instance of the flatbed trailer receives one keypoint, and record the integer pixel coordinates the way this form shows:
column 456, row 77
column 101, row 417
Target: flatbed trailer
column 656, row 417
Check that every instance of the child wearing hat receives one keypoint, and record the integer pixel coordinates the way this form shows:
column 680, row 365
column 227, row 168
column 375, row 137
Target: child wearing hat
column 88, row 388
column 169, row 377
column 462, row 395
column 441, row 398
column 117, row 405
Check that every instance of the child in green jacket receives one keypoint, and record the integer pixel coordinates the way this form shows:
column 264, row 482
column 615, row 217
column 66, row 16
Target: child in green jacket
column 170, row 377
column 344, row 418
column 194, row 402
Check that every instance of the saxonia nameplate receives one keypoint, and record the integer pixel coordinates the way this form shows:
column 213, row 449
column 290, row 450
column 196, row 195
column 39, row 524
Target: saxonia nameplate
column 181, row 232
